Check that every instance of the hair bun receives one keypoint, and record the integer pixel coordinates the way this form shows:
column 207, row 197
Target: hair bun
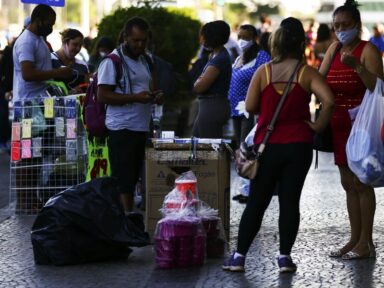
column 352, row 3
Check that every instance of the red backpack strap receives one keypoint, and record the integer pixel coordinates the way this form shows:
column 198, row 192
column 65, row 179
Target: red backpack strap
column 118, row 66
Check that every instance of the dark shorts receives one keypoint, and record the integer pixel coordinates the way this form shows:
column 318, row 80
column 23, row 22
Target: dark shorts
column 126, row 155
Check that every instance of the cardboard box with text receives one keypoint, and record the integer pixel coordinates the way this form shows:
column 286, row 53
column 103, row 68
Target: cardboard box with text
column 212, row 170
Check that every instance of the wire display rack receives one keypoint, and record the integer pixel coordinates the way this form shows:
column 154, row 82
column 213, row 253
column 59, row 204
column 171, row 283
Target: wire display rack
column 48, row 152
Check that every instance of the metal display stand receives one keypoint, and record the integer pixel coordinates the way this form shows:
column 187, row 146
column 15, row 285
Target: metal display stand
column 48, row 152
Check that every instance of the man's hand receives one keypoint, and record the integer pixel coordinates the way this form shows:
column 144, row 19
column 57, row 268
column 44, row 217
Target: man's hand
column 144, row 97
column 64, row 72
column 158, row 97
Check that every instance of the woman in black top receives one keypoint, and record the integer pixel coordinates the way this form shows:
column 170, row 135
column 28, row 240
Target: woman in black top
column 213, row 84
column 72, row 40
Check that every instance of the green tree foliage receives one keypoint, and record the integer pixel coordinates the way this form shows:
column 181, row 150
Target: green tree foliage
column 236, row 13
column 73, row 11
column 175, row 35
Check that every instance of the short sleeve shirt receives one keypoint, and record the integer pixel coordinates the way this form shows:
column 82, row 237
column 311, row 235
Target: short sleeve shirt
column 221, row 61
column 378, row 42
column 136, row 78
column 29, row 47
column 241, row 78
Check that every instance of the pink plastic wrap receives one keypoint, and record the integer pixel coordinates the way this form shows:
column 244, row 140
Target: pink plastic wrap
column 216, row 244
column 183, row 200
column 186, row 183
column 179, row 242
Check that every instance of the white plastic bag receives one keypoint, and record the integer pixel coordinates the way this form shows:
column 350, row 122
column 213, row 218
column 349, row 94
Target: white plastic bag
column 250, row 136
column 365, row 149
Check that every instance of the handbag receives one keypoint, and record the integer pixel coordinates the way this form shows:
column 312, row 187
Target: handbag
column 247, row 158
column 39, row 123
column 322, row 141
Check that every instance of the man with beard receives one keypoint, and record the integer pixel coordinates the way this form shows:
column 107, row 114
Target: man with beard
column 32, row 57
column 129, row 103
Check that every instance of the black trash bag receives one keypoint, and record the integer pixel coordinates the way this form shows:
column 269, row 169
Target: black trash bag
column 86, row 223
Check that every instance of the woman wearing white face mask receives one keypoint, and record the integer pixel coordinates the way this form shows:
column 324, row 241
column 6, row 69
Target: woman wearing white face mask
column 252, row 57
column 103, row 47
column 355, row 67
column 72, row 40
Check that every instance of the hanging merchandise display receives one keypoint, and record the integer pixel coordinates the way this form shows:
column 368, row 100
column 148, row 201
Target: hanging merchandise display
column 48, row 151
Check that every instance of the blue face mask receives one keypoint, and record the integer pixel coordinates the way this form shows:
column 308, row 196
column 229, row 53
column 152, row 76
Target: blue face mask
column 346, row 37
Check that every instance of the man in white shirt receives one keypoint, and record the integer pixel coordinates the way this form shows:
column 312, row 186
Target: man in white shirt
column 32, row 57
column 129, row 107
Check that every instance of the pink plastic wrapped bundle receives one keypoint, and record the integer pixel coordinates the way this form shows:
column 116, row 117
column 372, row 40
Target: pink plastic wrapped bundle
column 166, row 248
column 177, row 204
column 211, row 226
column 216, row 243
column 198, row 256
column 185, row 251
column 165, row 263
column 175, row 228
column 176, row 244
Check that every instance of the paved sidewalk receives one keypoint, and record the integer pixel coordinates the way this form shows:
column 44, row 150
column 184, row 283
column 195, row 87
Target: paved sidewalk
column 324, row 225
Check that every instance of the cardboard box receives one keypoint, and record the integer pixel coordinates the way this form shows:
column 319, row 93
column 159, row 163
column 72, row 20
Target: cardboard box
column 212, row 169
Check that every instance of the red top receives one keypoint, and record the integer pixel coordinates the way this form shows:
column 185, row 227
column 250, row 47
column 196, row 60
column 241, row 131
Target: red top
column 346, row 85
column 290, row 126
column 349, row 91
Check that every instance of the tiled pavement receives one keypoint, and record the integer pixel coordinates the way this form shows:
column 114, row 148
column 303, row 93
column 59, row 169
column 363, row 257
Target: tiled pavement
column 324, row 225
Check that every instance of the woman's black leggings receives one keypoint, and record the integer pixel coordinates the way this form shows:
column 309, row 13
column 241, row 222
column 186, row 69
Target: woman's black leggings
column 285, row 165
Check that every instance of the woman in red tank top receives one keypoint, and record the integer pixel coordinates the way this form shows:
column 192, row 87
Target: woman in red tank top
column 288, row 153
column 355, row 68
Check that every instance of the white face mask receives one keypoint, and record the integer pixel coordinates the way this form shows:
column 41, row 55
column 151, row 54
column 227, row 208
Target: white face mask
column 102, row 54
column 347, row 36
column 244, row 44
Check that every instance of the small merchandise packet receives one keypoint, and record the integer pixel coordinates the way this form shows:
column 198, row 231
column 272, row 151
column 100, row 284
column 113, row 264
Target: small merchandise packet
column 26, row 148
column 16, row 131
column 59, row 127
column 27, row 110
column 70, row 108
column 17, row 111
column 71, row 153
column 71, row 128
column 48, row 108
column 15, row 151
column 59, row 107
column 36, row 147
column 26, row 128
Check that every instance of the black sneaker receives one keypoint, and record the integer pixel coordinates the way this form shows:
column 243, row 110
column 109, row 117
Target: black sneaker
column 286, row 265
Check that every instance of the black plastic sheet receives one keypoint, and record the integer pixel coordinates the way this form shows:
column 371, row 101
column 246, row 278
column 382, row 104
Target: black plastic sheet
column 86, row 223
